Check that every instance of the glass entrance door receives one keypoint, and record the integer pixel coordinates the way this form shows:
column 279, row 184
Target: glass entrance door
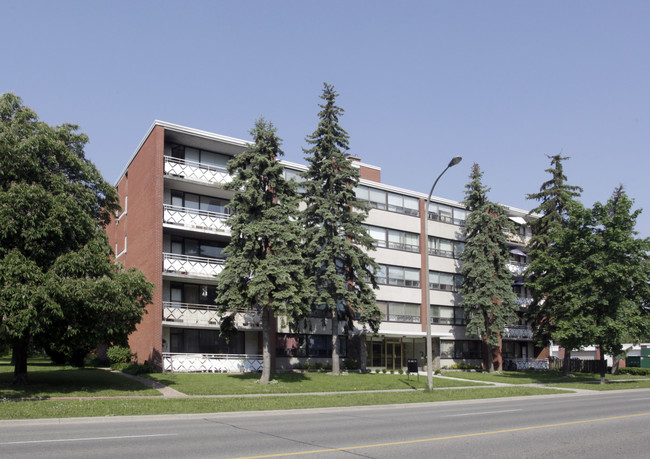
column 393, row 355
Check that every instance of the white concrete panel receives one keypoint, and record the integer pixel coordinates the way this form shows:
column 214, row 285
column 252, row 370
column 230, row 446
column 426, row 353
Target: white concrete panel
column 399, row 327
column 443, row 298
column 399, row 294
column 393, row 220
column 445, row 230
column 396, row 257
column 443, row 264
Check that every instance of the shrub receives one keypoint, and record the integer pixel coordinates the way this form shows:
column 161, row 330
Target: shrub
column 119, row 354
column 350, row 364
column 134, row 368
column 634, row 371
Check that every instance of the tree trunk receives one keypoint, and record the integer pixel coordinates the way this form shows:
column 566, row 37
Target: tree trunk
column 566, row 363
column 266, row 346
column 336, row 366
column 363, row 354
column 603, row 365
column 490, row 354
column 20, row 361
column 498, row 355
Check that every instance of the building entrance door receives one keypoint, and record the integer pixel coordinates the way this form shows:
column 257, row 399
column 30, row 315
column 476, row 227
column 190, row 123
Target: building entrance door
column 393, row 355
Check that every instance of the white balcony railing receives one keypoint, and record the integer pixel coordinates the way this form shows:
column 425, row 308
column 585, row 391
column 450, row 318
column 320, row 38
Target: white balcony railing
column 212, row 363
column 195, row 218
column 517, row 269
column 523, row 301
column 525, row 364
column 518, row 332
column 196, row 171
column 189, row 313
column 196, row 266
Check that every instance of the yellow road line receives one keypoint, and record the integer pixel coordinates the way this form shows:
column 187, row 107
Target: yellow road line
column 494, row 432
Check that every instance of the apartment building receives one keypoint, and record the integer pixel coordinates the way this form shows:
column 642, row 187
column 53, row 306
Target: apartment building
column 173, row 228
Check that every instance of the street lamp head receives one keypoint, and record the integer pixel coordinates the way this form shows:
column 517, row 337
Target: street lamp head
column 455, row 160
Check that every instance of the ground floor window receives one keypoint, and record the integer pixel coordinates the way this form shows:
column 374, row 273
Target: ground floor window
column 295, row 345
column 187, row 340
column 514, row 349
column 461, row 349
column 393, row 353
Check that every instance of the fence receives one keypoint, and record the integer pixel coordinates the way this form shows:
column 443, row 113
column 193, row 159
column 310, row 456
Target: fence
column 578, row 365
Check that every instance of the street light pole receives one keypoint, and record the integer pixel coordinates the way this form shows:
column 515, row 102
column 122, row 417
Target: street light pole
column 455, row 160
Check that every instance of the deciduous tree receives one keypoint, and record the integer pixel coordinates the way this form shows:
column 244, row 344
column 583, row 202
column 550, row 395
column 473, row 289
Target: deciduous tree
column 57, row 282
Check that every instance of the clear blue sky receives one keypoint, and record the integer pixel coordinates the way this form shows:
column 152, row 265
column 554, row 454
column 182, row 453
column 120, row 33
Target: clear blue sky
column 501, row 83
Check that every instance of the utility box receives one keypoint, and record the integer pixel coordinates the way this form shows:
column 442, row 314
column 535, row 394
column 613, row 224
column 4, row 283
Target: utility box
column 645, row 361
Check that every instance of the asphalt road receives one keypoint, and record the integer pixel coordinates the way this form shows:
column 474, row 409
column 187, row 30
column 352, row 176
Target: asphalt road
column 594, row 425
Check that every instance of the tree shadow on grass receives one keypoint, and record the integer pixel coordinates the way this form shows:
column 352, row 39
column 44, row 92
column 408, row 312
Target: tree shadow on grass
column 64, row 382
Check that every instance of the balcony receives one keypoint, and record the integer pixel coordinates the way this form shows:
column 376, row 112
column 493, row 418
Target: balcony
column 517, row 269
column 196, row 219
column 523, row 301
column 196, row 171
column 190, row 265
column 518, row 332
column 203, row 314
column 212, row 363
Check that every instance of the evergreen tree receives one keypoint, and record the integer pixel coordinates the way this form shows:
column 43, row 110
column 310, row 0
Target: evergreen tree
column 487, row 294
column 556, row 199
column 264, row 270
column 336, row 241
column 58, row 285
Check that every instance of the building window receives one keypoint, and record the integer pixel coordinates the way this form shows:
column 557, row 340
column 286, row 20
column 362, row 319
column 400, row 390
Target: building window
column 445, row 281
column 193, row 201
column 198, row 247
column 384, row 200
column 293, row 345
column 398, row 275
column 188, row 340
column 447, row 315
column 203, row 157
column 399, row 312
column 290, row 174
column 195, row 294
column 445, row 247
column 461, row 349
column 394, row 239
column 447, row 214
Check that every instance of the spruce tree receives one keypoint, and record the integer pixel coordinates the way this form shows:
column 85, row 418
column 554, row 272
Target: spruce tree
column 556, row 199
column 336, row 242
column 264, row 270
column 486, row 291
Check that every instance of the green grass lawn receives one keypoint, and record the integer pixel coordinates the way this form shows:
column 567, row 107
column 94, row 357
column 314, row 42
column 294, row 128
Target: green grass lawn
column 124, row 407
column 616, row 384
column 47, row 380
column 536, row 377
column 284, row 383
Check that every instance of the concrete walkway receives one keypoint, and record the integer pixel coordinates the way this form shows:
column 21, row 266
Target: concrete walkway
column 166, row 391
